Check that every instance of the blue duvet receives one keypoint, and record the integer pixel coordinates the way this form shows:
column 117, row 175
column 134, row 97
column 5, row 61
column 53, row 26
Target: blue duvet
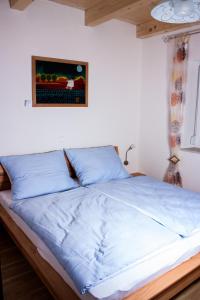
column 176, row 208
column 93, row 236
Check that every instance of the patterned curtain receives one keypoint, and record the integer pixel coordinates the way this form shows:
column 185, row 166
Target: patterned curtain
column 177, row 85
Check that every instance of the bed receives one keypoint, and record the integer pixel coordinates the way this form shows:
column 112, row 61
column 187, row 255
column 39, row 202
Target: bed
column 55, row 278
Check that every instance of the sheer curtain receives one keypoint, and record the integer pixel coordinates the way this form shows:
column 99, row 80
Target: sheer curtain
column 178, row 59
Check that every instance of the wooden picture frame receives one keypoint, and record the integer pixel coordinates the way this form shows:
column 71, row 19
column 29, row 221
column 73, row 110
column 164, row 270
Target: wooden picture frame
column 59, row 82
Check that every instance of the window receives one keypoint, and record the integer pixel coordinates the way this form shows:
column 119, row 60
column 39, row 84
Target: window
column 191, row 126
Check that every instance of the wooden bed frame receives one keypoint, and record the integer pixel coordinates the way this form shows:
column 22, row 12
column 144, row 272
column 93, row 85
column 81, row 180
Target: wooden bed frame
column 163, row 287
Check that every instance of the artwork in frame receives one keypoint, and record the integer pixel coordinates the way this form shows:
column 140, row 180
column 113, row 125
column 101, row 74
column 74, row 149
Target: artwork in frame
column 59, row 82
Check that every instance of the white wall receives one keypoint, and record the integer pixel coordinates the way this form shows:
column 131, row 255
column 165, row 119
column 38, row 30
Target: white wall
column 52, row 30
column 126, row 75
column 154, row 150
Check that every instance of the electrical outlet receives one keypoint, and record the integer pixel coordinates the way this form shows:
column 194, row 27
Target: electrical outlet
column 27, row 103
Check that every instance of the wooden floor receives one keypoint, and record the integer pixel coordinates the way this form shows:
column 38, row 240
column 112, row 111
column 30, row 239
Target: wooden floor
column 18, row 280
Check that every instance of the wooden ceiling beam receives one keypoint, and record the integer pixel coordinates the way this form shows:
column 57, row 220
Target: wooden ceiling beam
column 80, row 4
column 126, row 19
column 154, row 27
column 19, row 4
column 107, row 10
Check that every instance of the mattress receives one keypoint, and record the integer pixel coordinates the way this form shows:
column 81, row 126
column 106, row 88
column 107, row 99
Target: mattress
column 125, row 283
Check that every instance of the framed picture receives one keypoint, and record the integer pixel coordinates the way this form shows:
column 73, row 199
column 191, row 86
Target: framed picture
column 59, row 82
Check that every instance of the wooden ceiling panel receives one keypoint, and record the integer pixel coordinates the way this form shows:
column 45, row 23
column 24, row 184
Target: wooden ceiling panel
column 136, row 17
column 106, row 10
column 137, row 12
column 140, row 13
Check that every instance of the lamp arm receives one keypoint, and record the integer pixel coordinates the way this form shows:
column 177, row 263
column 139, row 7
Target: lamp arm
column 126, row 155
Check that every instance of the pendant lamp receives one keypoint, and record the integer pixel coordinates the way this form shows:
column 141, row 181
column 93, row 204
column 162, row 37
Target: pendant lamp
column 177, row 11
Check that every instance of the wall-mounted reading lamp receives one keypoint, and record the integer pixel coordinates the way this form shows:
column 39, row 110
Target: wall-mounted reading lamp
column 131, row 147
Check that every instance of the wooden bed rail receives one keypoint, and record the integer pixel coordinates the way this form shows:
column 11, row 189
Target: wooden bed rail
column 168, row 285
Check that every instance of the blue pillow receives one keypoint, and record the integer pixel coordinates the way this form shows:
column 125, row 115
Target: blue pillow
column 93, row 165
column 37, row 174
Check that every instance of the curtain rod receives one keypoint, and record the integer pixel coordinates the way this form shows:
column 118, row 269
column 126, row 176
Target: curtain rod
column 167, row 38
